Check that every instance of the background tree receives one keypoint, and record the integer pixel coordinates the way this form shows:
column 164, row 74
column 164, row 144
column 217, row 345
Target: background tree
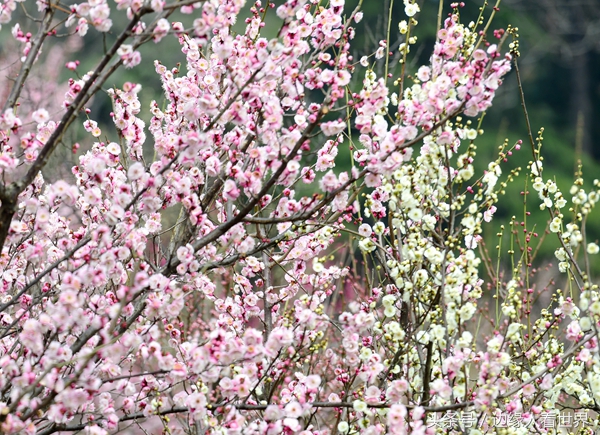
column 570, row 43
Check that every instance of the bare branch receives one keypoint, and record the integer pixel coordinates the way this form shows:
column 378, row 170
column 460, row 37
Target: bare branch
column 30, row 59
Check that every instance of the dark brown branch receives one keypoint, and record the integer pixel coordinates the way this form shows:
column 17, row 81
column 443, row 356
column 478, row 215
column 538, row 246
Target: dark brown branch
column 224, row 227
column 247, row 407
column 45, row 272
column 82, row 98
column 9, row 194
column 137, row 416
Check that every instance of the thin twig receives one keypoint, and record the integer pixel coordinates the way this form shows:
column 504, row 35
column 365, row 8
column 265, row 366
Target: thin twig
column 30, row 59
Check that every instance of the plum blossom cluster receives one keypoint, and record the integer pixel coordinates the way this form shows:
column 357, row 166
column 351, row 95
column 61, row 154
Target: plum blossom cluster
column 429, row 210
column 457, row 80
column 205, row 289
